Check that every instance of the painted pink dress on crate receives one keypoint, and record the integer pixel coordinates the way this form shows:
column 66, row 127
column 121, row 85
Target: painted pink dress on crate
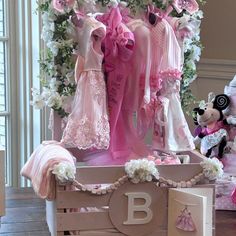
column 88, row 125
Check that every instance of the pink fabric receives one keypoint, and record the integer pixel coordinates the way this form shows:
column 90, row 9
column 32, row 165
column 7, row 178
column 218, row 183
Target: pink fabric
column 233, row 196
column 218, row 125
column 165, row 160
column 226, row 193
column 225, row 203
column 39, row 167
column 119, row 43
column 156, row 68
column 229, row 162
column 140, row 66
column 172, row 133
column 88, row 125
column 151, row 60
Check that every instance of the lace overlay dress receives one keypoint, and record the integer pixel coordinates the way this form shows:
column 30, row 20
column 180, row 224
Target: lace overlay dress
column 88, row 125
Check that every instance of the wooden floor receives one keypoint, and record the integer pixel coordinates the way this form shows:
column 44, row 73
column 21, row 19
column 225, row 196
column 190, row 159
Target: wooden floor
column 25, row 216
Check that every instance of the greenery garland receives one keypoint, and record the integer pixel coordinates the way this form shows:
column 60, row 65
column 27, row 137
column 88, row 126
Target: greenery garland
column 57, row 62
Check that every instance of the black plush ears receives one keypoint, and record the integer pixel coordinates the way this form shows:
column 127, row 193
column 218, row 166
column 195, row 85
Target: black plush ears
column 221, row 102
column 195, row 112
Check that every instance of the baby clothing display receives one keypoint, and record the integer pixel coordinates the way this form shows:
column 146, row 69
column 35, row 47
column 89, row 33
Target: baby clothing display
column 124, row 67
column 88, row 125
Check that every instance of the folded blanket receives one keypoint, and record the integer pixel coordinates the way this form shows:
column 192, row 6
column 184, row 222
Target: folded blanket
column 39, row 167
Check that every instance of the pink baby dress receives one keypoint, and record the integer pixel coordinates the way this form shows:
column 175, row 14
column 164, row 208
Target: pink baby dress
column 118, row 44
column 88, row 125
column 158, row 72
column 171, row 131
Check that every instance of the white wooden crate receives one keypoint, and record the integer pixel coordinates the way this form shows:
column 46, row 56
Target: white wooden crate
column 102, row 222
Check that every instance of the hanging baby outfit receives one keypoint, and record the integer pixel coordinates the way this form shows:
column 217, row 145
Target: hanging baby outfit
column 118, row 45
column 159, row 74
column 171, row 131
column 88, row 125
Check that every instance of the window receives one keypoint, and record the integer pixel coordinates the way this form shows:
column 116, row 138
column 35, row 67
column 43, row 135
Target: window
column 22, row 128
column 4, row 98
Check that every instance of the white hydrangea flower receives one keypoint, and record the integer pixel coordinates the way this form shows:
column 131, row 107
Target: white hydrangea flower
column 54, row 100
column 71, row 77
column 38, row 101
column 46, row 93
column 64, row 171
column 53, row 84
column 141, row 170
column 212, row 168
column 184, row 21
column 198, row 14
column 65, row 69
column 114, row 3
column 48, row 17
column 196, row 53
column 191, row 64
column 54, row 47
column 46, row 35
column 187, row 44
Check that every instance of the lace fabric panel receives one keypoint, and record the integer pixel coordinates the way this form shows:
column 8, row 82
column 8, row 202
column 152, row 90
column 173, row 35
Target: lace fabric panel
column 88, row 125
column 86, row 134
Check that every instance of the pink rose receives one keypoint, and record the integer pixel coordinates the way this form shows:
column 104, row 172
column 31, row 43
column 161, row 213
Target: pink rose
column 61, row 5
column 190, row 6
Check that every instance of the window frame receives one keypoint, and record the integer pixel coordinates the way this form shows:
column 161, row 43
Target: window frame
column 7, row 40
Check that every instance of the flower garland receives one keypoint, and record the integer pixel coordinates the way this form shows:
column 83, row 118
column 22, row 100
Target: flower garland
column 58, row 61
column 139, row 171
column 64, row 172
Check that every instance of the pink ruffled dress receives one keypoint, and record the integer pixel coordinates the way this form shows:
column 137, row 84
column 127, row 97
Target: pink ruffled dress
column 88, row 125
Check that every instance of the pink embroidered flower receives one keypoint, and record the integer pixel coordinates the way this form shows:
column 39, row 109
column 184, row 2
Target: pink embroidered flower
column 170, row 73
column 190, row 6
column 62, row 5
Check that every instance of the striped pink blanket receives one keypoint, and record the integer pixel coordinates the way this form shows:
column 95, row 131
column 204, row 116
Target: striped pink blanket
column 39, row 167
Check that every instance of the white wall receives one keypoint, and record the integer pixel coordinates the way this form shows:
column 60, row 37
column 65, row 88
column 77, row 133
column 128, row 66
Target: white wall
column 218, row 35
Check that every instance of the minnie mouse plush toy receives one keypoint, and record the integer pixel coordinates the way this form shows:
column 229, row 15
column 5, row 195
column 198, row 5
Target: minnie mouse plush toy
column 213, row 127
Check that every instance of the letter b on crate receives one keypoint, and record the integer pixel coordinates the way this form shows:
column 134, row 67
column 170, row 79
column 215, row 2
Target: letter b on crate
column 132, row 208
column 139, row 209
